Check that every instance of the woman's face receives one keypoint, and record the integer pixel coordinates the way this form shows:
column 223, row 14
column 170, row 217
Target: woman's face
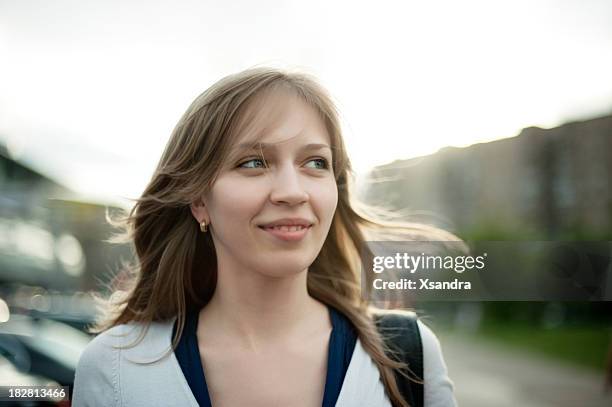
column 293, row 189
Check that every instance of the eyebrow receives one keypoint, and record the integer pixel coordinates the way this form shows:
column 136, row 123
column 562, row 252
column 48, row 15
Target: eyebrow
column 267, row 146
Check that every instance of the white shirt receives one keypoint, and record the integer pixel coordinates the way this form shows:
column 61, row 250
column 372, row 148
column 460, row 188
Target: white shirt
column 109, row 376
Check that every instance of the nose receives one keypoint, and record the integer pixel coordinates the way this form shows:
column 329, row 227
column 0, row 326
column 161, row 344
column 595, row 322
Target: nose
column 287, row 186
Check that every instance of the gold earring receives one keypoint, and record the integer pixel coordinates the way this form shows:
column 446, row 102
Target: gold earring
column 203, row 226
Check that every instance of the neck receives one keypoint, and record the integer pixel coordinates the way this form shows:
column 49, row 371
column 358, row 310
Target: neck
column 260, row 309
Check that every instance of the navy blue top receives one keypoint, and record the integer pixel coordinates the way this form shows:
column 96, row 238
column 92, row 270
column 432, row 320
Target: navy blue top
column 342, row 343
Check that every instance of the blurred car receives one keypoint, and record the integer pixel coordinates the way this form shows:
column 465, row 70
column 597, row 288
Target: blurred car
column 39, row 351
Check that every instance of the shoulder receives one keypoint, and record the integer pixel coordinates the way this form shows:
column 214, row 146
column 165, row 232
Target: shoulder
column 412, row 336
column 131, row 339
column 429, row 340
column 110, row 342
column 102, row 348
column 439, row 388
column 97, row 375
column 400, row 331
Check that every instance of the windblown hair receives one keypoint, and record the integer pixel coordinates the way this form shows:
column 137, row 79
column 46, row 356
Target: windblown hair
column 174, row 268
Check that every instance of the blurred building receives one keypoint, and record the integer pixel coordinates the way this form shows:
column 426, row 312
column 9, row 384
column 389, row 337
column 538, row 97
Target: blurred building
column 544, row 182
column 49, row 236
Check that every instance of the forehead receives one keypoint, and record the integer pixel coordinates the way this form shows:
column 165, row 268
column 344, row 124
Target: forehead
column 280, row 119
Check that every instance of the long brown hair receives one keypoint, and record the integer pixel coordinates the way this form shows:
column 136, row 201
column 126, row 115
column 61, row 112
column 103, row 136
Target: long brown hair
column 161, row 282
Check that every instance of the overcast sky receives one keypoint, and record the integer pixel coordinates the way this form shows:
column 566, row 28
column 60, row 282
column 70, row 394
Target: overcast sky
column 90, row 90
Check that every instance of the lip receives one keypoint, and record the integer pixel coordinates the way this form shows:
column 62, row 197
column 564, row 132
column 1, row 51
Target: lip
column 287, row 235
column 288, row 222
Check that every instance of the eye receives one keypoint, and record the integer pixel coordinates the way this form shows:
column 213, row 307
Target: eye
column 320, row 163
column 253, row 163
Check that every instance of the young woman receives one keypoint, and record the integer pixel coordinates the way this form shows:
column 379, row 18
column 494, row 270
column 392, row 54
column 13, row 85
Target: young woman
column 245, row 289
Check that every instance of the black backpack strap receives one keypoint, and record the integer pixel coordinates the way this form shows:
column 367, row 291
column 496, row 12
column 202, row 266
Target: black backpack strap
column 401, row 333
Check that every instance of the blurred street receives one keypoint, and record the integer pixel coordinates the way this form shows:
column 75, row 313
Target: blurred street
column 489, row 374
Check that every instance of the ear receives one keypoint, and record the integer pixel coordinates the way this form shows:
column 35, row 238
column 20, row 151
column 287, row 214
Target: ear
column 199, row 211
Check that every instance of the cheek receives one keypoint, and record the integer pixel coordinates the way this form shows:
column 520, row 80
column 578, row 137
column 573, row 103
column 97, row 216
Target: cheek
column 326, row 200
column 234, row 202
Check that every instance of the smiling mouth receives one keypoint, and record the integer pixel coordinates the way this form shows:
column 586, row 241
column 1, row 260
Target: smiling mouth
column 286, row 228
column 293, row 233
